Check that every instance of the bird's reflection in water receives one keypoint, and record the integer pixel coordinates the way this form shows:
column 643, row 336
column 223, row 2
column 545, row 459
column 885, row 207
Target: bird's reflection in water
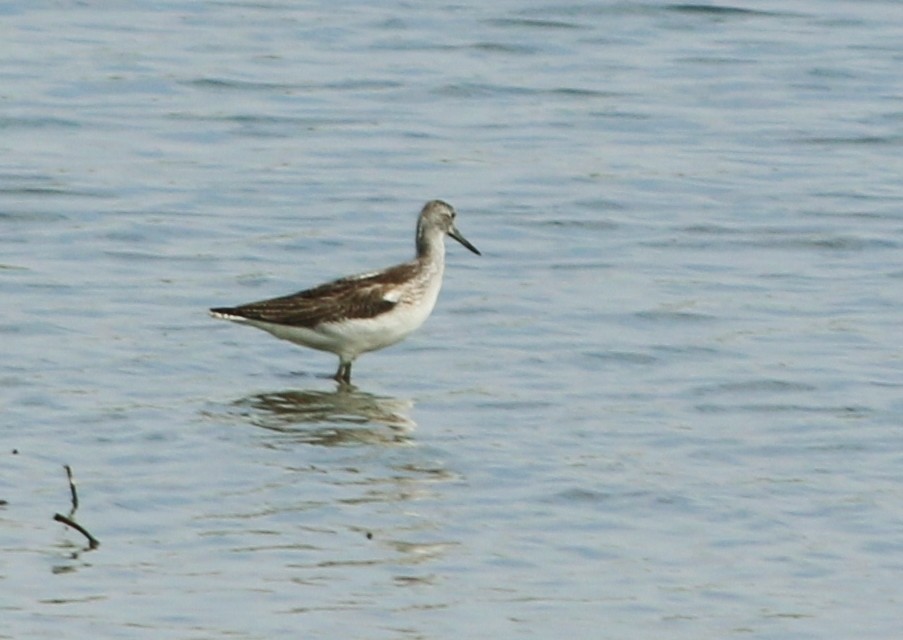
column 343, row 417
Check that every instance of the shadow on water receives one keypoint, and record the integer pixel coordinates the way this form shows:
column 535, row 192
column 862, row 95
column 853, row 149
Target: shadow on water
column 344, row 417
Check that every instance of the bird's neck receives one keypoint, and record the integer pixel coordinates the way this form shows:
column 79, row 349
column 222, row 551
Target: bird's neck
column 430, row 246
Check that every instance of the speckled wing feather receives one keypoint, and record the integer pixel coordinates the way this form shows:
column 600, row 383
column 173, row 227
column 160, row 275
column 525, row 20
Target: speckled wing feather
column 363, row 296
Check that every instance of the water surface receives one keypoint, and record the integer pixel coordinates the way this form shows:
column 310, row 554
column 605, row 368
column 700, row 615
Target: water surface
column 665, row 402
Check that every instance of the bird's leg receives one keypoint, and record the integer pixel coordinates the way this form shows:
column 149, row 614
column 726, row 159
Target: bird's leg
column 343, row 375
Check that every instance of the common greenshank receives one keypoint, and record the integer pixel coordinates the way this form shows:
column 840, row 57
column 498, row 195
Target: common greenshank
column 364, row 312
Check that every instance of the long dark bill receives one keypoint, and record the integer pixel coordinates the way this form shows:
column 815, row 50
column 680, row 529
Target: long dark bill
column 454, row 233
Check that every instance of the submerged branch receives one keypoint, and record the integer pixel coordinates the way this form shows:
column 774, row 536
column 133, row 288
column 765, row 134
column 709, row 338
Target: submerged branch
column 93, row 542
column 72, row 491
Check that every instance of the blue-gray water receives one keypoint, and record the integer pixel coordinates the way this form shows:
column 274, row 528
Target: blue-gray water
column 666, row 402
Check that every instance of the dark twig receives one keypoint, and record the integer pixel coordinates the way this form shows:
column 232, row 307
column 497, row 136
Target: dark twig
column 93, row 543
column 71, row 488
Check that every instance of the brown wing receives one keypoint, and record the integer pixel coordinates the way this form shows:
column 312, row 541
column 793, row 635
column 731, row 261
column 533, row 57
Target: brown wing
column 360, row 296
